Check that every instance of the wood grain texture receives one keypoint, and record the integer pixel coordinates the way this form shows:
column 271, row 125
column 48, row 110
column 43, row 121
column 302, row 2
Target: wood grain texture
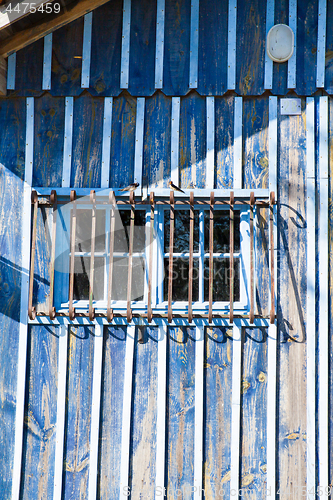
column 87, row 141
column 330, row 282
column 143, row 427
column 253, row 414
column 106, row 49
column 280, row 70
column 213, row 43
column 306, row 58
column 12, row 136
column 329, row 50
column 157, row 140
column 224, row 140
column 291, row 306
column 111, row 412
column 78, row 413
column 122, row 141
column 250, row 45
column 67, row 60
column 29, row 70
column 41, row 291
column 192, row 141
column 40, row 413
column 48, row 140
column 180, row 412
column 217, row 413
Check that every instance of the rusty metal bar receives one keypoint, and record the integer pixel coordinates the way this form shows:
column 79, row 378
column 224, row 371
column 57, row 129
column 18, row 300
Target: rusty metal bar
column 272, row 313
column 92, row 255
column 130, row 258
column 190, row 271
column 150, row 271
column 53, row 200
column 71, row 265
column 31, row 309
column 252, row 202
column 112, row 201
column 211, row 250
column 172, row 230
column 231, row 269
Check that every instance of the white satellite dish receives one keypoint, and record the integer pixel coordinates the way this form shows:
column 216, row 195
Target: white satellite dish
column 280, row 43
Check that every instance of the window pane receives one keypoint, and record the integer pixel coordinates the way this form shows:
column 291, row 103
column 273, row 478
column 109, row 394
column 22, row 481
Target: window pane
column 121, row 241
column 221, row 281
column 182, row 231
column 180, row 279
column 221, row 231
column 83, row 230
column 81, row 278
column 120, row 277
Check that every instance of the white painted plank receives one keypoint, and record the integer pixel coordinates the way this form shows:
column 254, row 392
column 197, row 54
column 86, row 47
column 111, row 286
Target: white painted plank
column 292, row 61
column 198, row 415
column 107, row 124
column 161, row 410
column 61, row 408
column 23, row 336
column 95, row 412
column 139, row 131
column 272, row 153
column 125, row 46
column 210, row 142
column 175, row 117
column 127, row 404
column 194, row 44
column 321, row 43
column 232, row 25
column 238, row 142
column 68, row 141
column 270, row 11
column 159, row 55
column 323, row 369
column 11, row 71
column 47, row 62
column 235, row 410
column 86, row 52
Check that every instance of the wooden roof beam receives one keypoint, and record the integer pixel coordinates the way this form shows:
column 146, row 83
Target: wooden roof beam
column 7, row 18
column 34, row 33
column 3, row 76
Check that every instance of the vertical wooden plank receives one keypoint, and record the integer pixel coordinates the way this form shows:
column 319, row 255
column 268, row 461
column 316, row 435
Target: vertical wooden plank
column 11, row 71
column 232, row 28
column 224, row 142
column 213, row 48
column 157, row 140
column 12, row 137
column 235, row 408
column 139, row 130
column 127, row 409
column 323, row 295
column 175, row 121
column 29, row 70
column 292, row 61
column 48, row 143
column 159, row 51
column 329, row 51
column 253, row 463
column 125, row 45
column 78, row 417
column 292, row 427
column 280, row 70
column 61, row 410
column 68, row 142
column 23, row 337
column 311, row 295
column 106, row 33
column 217, row 411
column 161, row 408
column 180, row 412
column 251, row 33
column 143, row 466
column 87, row 141
column 108, row 102
column 194, row 44
column 177, row 47
column 67, row 59
column 321, row 43
column 142, row 49
column 330, row 315
column 307, row 36
column 270, row 11
column 86, row 51
column 198, row 410
column 47, row 61
column 210, row 140
column 122, row 141
column 238, row 143
column 111, row 411
column 40, row 413
column 192, row 144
